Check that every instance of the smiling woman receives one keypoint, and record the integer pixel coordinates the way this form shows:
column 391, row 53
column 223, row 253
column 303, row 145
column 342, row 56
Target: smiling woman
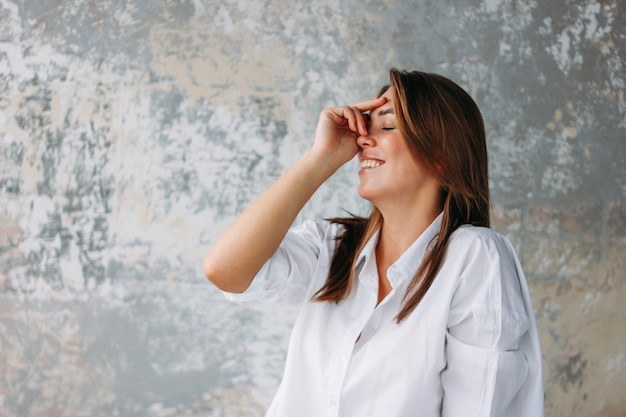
column 420, row 306
column 403, row 178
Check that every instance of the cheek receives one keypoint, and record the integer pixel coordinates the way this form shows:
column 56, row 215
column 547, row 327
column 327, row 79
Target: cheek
column 410, row 171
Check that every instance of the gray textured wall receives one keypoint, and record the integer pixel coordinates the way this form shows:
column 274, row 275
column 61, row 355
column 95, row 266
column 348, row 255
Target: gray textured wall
column 133, row 131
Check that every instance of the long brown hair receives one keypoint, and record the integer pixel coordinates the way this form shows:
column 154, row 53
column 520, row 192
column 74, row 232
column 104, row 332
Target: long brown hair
column 444, row 131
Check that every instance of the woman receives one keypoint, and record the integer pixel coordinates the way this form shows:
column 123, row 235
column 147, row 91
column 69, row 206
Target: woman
column 418, row 310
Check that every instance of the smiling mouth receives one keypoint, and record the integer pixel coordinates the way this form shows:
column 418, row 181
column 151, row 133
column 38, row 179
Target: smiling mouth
column 370, row 163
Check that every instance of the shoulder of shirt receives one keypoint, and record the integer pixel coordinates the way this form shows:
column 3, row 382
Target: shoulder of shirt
column 486, row 252
column 321, row 227
column 478, row 238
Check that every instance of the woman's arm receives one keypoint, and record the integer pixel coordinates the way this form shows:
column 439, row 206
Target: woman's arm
column 254, row 236
column 492, row 346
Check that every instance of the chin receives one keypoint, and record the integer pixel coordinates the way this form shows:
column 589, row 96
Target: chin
column 366, row 194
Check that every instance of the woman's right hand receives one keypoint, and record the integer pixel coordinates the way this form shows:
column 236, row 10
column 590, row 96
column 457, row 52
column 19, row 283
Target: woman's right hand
column 338, row 129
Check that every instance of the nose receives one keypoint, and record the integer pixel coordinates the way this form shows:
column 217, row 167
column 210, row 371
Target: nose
column 365, row 141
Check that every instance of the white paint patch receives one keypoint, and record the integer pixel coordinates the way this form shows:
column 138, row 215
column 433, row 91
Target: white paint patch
column 16, row 64
column 492, row 6
column 223, row 19
column 41, row 207
column 567, row 50
column 125, row 17
column 615, row 366
column 71, row 269
column 592, row 299
column 199, row 9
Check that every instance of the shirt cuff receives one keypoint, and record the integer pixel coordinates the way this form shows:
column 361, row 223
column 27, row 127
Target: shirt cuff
column 480, row 382
column 265, row 285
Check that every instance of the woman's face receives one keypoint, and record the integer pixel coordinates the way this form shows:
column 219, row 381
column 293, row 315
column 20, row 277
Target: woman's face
column 388, row 172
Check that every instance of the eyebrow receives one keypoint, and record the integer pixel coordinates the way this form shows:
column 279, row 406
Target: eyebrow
column 386, row 111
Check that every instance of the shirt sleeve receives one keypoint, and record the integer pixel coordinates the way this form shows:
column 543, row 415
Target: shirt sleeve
column 487, row 340
column 288, row 275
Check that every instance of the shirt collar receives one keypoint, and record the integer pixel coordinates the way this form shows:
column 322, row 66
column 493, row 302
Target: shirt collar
column 409, row 261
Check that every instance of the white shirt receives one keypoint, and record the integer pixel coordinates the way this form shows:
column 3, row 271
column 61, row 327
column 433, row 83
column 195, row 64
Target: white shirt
column 469, row 349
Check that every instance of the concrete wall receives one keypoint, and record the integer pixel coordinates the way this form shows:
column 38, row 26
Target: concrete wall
column 133, row 131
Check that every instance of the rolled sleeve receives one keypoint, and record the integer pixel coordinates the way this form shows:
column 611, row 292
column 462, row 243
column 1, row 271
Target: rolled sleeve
column 258, row 290
column 480, row 382
column 289, row 274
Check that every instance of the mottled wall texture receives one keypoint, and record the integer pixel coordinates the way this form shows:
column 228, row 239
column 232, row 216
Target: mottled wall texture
column 133, row 131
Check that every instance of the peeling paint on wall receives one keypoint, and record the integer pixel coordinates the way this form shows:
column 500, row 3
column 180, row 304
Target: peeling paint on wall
column 132, row 132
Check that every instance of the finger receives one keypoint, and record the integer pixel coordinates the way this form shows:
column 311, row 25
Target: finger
column 353, row 116
column 350, row 114
column 366, row 106
column 347, row 114
column 371, row 104
column 362, row 122
column 357, row 120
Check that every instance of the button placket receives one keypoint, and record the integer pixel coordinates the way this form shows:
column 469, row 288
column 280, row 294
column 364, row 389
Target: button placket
column 363, row 308
column 339, row 364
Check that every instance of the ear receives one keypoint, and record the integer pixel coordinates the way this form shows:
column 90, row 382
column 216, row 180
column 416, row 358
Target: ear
column 440, row 169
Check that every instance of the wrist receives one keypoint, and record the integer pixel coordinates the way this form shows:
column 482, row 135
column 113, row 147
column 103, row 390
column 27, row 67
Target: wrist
column 323, row 164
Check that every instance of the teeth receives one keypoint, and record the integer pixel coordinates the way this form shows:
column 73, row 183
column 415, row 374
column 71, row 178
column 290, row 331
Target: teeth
column 369, row 163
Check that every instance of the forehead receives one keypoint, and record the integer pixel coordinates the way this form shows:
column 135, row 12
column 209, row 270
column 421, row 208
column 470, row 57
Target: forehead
column 386, row 108
column 388, row 94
